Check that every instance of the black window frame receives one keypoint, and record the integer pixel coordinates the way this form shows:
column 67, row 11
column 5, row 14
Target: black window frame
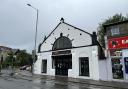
column 80, row 73
column 44, row 66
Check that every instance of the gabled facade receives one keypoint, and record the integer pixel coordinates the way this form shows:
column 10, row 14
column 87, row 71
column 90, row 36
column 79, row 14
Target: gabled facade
column 70, row 51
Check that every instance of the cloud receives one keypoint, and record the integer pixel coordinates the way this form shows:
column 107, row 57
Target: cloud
column 17, row 20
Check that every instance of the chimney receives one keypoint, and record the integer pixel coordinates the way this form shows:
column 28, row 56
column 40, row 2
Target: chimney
column 62, row 20
column 94, row 38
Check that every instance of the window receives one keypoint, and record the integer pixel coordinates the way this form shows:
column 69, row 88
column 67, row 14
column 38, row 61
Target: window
column 62, row 43
column 126, row 64
column 117, row 68
column 114, row 31
column 53, row 63
column 44, row 66
column 84, row 66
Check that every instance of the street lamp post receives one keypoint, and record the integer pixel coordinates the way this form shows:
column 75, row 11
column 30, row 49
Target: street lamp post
column 12, row 69
column 34, row 58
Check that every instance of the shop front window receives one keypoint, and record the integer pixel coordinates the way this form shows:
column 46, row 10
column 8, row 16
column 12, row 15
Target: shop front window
column 126, row 64
column 117, row 64
column 117, row 68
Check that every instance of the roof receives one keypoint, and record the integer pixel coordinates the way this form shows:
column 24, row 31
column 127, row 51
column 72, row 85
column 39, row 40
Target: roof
column 15, row 51
column 68, row 25
column 5, row 48
column 116, row 23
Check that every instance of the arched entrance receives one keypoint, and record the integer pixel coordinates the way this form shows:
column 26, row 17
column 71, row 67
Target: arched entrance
column 62, row 58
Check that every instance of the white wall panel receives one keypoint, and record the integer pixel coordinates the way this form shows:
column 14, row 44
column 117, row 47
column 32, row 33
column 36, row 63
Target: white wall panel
column 79, row 40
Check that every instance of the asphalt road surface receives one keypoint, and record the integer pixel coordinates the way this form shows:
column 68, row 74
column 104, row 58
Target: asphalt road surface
column 7, row 82
column 39, row 82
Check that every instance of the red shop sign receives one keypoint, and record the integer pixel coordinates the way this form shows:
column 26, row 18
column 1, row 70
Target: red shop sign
column 118, row 43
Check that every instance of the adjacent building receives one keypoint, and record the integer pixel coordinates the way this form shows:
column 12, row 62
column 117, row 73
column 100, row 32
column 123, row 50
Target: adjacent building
column 71, row 51
column 117, row 50
column 4, row 52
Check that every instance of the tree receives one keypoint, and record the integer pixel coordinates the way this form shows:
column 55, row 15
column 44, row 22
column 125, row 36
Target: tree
column 22, row 58
column 101, row 30
column 8, row 61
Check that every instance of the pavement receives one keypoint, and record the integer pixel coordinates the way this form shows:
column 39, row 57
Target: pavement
column 111, row 84
column 77, row 80
column 60, row 80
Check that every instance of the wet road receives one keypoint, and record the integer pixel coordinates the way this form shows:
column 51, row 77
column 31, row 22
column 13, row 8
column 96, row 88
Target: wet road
column 38, row 83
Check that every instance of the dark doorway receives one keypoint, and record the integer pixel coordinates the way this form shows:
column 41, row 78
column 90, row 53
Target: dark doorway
column 44, row 66
column 84, row 66
column 62, row 58
column 62, row 64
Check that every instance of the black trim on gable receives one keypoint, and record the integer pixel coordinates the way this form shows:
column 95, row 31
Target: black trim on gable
column 77, row 28
column 53, row 30
column 101, row 54
column 66, row 48
column 93, row 36
column 39, row 47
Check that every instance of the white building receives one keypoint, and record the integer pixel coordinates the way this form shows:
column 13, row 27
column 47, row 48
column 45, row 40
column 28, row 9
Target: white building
column 70, row 51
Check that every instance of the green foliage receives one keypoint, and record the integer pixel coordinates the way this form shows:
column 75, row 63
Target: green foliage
column 101, row 30
column 8, row 60
column 21, row 58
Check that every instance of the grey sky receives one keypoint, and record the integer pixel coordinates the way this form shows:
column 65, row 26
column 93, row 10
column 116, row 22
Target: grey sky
column 17, row 20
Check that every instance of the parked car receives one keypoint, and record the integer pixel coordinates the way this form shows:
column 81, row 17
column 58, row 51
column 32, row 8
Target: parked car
column 28, row 68
column 23, row 67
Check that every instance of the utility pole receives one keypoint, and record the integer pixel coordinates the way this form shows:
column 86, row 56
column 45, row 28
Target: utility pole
column 34, row 58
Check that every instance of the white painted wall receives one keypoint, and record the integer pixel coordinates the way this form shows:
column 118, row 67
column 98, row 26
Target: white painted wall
column 79, row 40
column 38, row 64
column 95, row 64
column 99, row 69
column 90, row 52
column 103, row 70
